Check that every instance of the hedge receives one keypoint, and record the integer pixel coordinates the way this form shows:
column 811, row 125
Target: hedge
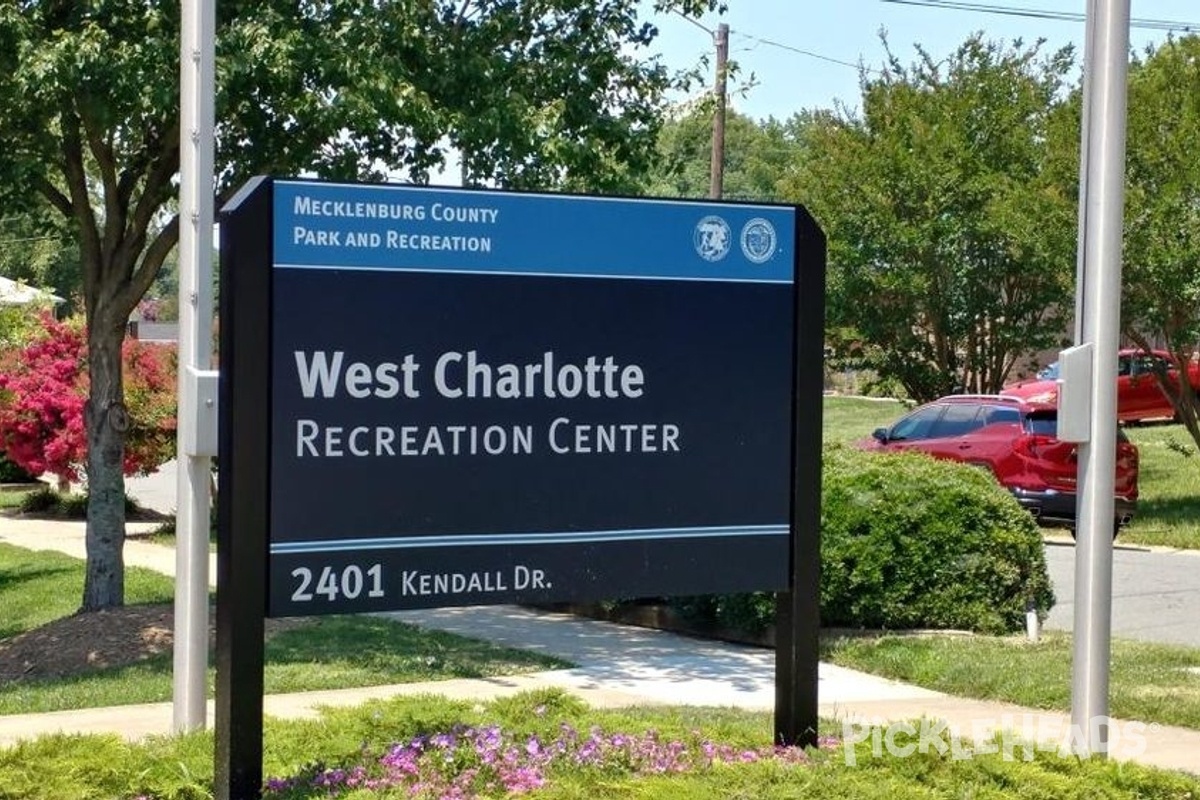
column 910, row 542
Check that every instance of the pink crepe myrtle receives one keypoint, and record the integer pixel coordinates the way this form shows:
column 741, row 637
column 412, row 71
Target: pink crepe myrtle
column 43, row 392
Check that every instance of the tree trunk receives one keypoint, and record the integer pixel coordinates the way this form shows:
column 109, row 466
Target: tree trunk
column 106, row 420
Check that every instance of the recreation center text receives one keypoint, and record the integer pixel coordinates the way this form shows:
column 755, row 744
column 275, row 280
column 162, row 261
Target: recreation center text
column 457, row 375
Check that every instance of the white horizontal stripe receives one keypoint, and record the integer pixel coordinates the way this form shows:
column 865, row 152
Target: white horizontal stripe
column 500, row 539
column 457, row 271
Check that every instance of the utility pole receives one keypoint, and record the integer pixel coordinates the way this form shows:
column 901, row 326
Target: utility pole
column 717, row 172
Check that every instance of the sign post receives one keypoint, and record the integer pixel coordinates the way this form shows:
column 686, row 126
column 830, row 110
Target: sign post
column 437, row 397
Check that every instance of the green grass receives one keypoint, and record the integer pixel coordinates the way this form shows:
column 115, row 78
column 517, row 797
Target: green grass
column 39, row 587
column 94, row 767
column 1169, row 487
column 10, row 500
column 848, row 419
column 325, row 653
column 1148, row 682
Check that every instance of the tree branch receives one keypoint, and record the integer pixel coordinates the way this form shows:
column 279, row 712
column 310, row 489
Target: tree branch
column 114, row 211
column 153, row 259
column 53, row 196
column 164, row 168
column 81, row 209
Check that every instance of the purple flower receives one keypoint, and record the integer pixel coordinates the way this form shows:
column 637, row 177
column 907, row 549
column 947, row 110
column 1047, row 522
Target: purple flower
column 472, row 762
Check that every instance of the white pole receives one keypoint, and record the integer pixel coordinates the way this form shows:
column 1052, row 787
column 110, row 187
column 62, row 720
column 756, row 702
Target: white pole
column 196, row 67
column 1108, row 63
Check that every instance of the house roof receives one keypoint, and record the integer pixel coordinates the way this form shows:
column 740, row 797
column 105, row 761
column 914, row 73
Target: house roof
column 15, row 293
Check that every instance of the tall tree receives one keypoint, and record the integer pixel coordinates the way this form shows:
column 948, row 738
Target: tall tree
column 1161, row 271
column 949, row 244
column 537, row 93
column 757, row 155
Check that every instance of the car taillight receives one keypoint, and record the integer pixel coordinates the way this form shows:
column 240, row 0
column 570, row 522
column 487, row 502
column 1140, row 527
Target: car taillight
column 1031, row 445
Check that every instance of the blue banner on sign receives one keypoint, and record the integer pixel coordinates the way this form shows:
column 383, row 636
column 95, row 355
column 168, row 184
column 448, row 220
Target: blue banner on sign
column 403, row 228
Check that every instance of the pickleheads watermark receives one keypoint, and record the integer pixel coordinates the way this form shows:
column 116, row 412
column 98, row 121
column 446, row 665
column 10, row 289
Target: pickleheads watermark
column 1014, row 737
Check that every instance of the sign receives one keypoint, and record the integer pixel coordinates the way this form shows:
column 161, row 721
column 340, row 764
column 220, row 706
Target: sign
column 482, row 397
column 437, row 397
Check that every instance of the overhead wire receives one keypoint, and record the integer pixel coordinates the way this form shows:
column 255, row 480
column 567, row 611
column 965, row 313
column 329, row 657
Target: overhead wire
column 1040, row 13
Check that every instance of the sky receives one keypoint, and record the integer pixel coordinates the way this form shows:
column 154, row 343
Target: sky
column 804, row 53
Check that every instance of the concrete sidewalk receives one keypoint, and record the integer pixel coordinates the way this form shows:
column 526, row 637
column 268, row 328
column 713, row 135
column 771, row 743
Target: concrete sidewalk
column 617, row 666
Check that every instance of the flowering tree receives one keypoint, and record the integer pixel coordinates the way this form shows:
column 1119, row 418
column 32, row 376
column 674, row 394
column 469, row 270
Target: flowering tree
column 44, row 389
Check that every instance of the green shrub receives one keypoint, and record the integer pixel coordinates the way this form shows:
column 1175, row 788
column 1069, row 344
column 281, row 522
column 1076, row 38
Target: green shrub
column 50, row 503
column 11, row 473
column 910, row 542
column 40, row 501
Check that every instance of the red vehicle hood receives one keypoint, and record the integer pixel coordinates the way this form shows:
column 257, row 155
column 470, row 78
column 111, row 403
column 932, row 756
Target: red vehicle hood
column 1034, row 391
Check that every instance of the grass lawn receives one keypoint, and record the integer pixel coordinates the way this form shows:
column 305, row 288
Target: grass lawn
column 1148, row 682
column 848, row 419
column 37, row 588
column 1169, row 487
column 579, row 753
column 11, row 499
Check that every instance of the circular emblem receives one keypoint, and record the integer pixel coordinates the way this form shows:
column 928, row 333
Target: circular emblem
column 711, row 238
column 758, row 240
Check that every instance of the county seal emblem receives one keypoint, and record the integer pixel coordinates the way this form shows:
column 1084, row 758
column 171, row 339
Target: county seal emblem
column 758, row 240
column 711, row 238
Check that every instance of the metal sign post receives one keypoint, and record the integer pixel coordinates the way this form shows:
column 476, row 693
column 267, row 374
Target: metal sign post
column 1106, row 67
column 197, row 410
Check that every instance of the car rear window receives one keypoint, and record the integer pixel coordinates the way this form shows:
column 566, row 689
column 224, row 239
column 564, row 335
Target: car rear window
column 1042, row 423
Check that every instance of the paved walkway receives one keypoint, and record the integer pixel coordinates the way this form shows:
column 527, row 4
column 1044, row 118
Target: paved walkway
column 617, row 666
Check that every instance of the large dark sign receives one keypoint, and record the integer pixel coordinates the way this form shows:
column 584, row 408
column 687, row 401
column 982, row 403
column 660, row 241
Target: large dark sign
column 436, row 397
column 480, row 397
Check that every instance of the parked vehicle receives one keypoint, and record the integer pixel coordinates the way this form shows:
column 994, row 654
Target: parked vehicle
column 1139, row 395
column 1015, row 439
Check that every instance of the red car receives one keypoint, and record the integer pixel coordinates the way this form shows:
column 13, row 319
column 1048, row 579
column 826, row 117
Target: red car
column 1139, row 395
column 1015, row 440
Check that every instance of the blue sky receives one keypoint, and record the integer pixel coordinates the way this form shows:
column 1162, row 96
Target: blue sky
column 765, row 36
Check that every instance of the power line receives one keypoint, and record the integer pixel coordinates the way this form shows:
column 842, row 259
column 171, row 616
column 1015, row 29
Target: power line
column 28, row 239
column 695, row 22
column 1038, row 13
column 798, row 50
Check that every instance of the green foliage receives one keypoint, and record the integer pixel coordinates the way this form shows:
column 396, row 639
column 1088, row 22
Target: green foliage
column 757, row 154
column 180, row 768
column 555, row 93
column 50, row 503
column 40, row 501
column 950, row 244
column 1161, row 270
column 910, row 542
column 744, row 612
column 36, row 248
column 1174, row 445
column 11, row 473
